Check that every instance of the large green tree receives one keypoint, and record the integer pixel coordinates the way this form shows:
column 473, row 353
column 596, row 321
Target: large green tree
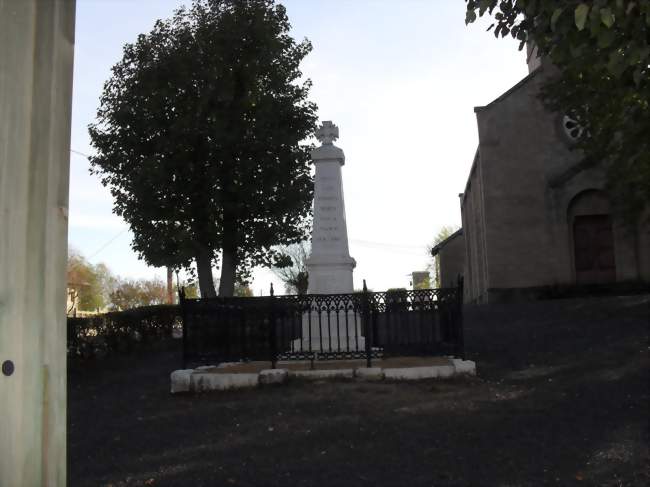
column 600, row 52
column 199, row 136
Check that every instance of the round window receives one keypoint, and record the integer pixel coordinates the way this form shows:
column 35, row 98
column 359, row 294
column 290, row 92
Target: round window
column 572, row 128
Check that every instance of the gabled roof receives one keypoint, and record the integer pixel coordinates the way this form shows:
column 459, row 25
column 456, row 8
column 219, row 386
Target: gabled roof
column 502, row 97
column 509, row 92
column 477, row 155
column 438, row 248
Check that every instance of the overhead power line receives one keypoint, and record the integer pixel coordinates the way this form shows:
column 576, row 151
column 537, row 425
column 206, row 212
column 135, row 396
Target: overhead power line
column 387, row 244
column 114, row 237
column 110, row 241
column 80, row 153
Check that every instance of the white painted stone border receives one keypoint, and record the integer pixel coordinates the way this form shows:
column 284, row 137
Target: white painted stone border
column 205, row 381
column 369, row 373
column 322, row 374
column 202, row 379
column 419, row 373
column 464, row 367
column 273, row 376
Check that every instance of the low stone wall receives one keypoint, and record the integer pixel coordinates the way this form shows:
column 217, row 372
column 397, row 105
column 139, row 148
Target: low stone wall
column 236, row 376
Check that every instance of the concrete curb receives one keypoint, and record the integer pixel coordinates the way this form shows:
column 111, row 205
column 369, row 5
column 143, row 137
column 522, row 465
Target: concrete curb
column 464, row 367
column 273, row 376
column 322, row 374
column 419, row 373
column 221, row 382
column 372, row 373
column 181, row 380
column 205, row 379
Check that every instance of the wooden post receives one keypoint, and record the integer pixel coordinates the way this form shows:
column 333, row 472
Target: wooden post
column 36, row 54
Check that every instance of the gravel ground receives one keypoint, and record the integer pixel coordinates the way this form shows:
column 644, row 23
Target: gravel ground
column 561, row 399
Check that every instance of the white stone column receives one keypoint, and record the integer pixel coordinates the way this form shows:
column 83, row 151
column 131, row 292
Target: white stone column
column 36, row 52
column 330, row 265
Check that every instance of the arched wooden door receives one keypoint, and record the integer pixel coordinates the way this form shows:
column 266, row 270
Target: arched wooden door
column 594, row 249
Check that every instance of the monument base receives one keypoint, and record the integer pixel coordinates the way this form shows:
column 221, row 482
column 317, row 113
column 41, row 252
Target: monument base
column 347, row 344
column 328, row 332
column 330, row 274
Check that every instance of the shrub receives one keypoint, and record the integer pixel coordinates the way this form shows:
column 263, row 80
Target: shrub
column 121, row 331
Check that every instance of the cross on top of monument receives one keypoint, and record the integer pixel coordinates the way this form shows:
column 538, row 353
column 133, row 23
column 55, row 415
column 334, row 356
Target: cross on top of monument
column 327, row 133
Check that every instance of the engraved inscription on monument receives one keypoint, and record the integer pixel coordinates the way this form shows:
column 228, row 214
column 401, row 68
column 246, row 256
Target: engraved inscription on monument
column 329, row 235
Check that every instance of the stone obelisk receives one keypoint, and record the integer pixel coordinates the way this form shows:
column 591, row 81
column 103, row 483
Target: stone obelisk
column 329, row 265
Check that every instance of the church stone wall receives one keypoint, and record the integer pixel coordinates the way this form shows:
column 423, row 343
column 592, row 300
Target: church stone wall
column 643, row 246
column 472, row 211
column 519, row 149
column 515, row 208
column 452, row 261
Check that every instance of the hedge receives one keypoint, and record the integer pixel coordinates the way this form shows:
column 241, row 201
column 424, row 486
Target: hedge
column 122, row 331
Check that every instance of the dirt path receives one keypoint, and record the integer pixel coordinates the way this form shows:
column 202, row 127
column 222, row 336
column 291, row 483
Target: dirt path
column 561, row 399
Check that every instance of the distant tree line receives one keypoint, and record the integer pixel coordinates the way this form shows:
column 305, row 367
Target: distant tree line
column 96, row 288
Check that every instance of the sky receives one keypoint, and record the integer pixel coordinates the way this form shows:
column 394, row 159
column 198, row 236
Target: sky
column 399, row 78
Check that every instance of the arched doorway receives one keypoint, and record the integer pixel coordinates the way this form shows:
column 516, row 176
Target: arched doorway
column 590, row 224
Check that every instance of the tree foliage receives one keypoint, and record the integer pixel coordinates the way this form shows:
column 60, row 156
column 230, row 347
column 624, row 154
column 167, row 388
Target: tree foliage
column 132, row 293
column 190, row 288
column 243, row 291
column 601, row 49
column 199, row 136
column 89, row 282
column 425, row 284
column 292, row 267
column 97, row 288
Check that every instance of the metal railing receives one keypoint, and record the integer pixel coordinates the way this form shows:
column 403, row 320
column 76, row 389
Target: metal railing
column 362, row 325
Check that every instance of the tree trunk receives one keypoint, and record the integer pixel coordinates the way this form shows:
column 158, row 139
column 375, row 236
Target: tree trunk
column 204, row 269
column 228, row 270
column 170, row 286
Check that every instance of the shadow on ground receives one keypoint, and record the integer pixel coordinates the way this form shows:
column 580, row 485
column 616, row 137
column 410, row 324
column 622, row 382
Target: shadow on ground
column 561, row 399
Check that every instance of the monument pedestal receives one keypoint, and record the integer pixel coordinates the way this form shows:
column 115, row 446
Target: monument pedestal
column 330, row 274
column 334, row 331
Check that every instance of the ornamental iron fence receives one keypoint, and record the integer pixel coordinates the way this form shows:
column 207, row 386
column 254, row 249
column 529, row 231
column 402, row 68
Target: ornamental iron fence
column 323, row 327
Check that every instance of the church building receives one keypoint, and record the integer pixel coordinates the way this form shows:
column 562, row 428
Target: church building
column 533, row 219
